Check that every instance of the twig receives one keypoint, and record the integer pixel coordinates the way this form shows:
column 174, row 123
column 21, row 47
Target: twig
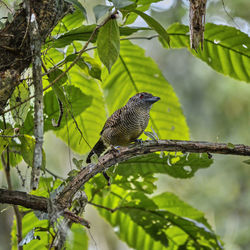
column 54, row 175
column 6, row 165
column 36, row 44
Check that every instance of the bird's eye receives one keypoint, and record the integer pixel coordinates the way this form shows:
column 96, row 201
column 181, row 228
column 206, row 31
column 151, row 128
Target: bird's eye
column 141, row 96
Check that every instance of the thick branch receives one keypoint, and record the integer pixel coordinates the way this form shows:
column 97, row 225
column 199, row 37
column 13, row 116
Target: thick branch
column 108, row 160
column 36, row 45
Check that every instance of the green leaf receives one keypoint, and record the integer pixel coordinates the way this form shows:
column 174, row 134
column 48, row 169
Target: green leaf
column 84, row 32
column 108, row 43
column 226, row 49
column 4, row 141
column 30, row 225
column 77, row 238
column 54, row 74
column 27, row 150
column 100, row 10
column 20, row 94
column 247, row 161
column 159, row 221
column 154, row 25
column 134, row 72
column 77, row 102
column 69, row 22
column 178, row 167
column 79, row 5
column 119, row 4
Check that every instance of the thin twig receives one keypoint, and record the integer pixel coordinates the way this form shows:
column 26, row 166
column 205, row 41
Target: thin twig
column 6, row 165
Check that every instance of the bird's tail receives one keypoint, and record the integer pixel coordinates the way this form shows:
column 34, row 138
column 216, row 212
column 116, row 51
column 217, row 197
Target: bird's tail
column 98, row 149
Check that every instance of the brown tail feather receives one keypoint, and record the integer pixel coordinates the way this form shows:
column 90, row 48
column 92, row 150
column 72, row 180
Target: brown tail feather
column 97, row 149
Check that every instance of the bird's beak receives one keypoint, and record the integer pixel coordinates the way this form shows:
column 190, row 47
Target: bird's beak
column 153, row 99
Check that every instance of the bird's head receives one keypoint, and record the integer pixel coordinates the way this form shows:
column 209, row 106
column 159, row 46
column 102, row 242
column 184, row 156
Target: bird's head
column 143, row 99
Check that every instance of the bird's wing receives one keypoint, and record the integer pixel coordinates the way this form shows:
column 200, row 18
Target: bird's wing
column 113, row 120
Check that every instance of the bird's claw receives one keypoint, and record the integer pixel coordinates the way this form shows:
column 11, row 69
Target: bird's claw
column 139, row 141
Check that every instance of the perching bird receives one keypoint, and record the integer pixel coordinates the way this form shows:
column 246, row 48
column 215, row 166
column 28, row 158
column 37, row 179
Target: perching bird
column 126, row 124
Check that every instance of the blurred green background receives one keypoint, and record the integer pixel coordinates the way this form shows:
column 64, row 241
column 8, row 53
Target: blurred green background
column 217, row 109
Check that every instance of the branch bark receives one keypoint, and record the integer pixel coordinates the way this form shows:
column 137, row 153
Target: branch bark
column 63, row 201
column 15, row 52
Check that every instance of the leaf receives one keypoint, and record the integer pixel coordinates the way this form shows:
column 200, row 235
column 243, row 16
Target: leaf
column 226, row 49
column 69, row 22
column 5, row 141
column 79, row 5
column 159, row 221
column 100, row 10
column 154, row 25
column 84, row 32
column 134, row 72
column 33, row 238
column 177, row 167
column 247, row 161
column 77, row 238
column 20, row 94
column 119, row 4
column 27, row 150
column 108, row 43
column 29, row 237
column 54, row 74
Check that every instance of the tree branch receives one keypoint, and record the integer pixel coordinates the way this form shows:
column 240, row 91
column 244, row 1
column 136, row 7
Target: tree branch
column 64, row 199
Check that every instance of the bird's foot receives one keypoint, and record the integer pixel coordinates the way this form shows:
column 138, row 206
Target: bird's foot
column 139, row 141
column 114, row 150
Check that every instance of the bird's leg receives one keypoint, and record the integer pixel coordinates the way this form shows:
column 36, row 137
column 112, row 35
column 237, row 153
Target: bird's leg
column 106, row 177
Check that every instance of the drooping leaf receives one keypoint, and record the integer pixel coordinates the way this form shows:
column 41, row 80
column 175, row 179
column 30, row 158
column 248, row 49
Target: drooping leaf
column 100, row 11
column 77, row 102
column 20, row 94
column 84, row 32
column 226, row 49
column 108, row 43
column 154, row 25
column 27, row 150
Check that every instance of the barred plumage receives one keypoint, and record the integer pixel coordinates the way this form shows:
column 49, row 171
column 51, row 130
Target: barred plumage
column 126, row 124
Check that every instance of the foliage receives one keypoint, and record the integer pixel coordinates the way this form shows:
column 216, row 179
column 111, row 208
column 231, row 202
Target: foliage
column 97, row 85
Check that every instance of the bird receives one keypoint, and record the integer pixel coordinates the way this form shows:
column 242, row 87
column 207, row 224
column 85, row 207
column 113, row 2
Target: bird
column 126, row 124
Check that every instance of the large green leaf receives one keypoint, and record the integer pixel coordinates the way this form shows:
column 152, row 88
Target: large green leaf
column 226, row 49
column 108, row 43
column 153, row 223
column 133, row 72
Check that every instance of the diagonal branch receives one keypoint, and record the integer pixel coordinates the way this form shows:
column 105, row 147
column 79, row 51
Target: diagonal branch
column 146, row 147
